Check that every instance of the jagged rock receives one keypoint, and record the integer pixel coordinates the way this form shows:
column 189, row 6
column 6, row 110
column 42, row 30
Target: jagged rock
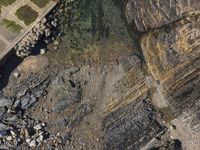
column 80, row 114
column 21, row 93
column 27, row 102
column 3, row 127
column 5, row 102
column 71, row 93
column 38, row 127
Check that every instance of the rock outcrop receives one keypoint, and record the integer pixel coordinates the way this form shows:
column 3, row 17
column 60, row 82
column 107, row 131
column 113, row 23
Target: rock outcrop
column 145, row 15
column 132, row 126
column 169, row 33
column 172, row 56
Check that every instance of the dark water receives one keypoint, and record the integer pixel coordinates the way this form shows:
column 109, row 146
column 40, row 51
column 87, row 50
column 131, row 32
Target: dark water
column 7, row 68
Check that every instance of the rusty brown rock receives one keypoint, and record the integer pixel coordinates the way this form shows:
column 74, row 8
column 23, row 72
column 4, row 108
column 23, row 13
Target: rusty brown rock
column 34, row 64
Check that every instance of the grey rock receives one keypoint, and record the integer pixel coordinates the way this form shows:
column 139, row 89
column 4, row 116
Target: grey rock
column 80, row 114
column 38, row 93
column 3, row 127
column 22, row 93
column 33, row 143
column 60, row 106
column 12, row 119
column 2, row 111
column 3, row 133
column 38, row 127
column 3, row 147
column 25, row 102
column 17, row 104
column 5, row 102
column 14, row 132
column 28, row 102
column 71, row 94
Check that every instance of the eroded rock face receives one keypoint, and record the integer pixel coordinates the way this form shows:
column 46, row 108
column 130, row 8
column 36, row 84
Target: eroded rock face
column 169, row 38
column 132, row 126
column 172, row 56
column 130, row 121
column 151, row 14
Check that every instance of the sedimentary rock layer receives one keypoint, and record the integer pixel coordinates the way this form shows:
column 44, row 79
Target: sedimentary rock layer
column 131, row 127
column 151, row 14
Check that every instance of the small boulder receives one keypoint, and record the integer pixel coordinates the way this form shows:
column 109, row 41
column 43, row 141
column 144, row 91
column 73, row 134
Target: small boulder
column 42, row 51
column 16, row 74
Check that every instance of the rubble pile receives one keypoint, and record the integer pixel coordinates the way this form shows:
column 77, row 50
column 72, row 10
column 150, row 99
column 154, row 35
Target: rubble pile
column 16, row 126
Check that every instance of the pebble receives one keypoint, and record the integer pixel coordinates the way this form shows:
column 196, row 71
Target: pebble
column 56, row 43
column 28, row 140
column 9, row 138
column 43, row 124
column 40, row 138
column 14, row 133
column 43, row 51
column 16, row 74
column 38, row 127
column 33, row 143
column 26, row 133
column 3, row 126
column 172, row 127
column 55, row 48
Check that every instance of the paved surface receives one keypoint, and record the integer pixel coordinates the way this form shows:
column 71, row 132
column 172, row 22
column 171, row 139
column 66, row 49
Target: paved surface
column 9, row 39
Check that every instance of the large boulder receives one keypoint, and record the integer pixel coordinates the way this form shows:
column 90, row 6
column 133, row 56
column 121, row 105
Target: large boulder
column 34, row 64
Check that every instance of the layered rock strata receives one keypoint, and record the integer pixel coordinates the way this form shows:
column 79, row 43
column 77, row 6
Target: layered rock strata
column 169, row 38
